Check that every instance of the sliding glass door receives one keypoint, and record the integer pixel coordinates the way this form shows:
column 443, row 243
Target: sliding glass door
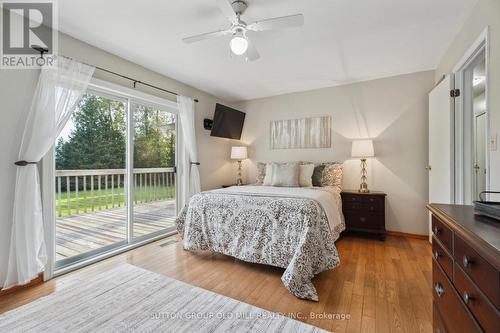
column 115, row 180
column 154, row 170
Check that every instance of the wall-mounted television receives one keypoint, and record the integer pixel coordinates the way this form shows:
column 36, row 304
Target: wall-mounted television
column 228, row 122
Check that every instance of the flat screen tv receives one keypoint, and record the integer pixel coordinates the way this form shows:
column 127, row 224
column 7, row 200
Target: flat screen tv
column 228, row 122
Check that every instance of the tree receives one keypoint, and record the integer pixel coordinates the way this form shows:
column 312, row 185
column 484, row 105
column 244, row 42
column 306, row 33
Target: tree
column 98, row 137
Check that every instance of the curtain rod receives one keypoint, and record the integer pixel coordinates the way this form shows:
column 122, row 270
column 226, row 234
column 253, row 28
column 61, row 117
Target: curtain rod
column 43, row 50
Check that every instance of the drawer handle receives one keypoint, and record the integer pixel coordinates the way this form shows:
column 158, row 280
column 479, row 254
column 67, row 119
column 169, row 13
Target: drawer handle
column 362, row 219
column 439, row 289
column 467, row 298
column 466, row 261
column 436, row 255
column 436, row 231
column 437, row 330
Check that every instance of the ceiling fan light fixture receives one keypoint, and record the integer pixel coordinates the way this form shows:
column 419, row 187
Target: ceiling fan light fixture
column 239, row 44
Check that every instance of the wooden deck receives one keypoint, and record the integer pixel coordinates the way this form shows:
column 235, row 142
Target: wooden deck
column 86, row 232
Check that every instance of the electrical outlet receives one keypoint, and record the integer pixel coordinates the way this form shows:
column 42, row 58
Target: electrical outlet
column 493, row 142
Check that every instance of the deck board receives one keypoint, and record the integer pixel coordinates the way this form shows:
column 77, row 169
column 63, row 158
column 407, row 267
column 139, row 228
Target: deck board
column 90, row 231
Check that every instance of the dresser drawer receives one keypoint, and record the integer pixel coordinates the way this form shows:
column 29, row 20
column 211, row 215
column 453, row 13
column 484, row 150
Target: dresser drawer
column 437, row 321
column 363, row 206
column 485, row 313
column 479, row 270
column 450, row 306
column 364, row 220
column 443, row 233
column 442, row 258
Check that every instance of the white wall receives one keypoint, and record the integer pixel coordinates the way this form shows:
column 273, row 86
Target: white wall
column 16, row 91
column 485, row 13
column 393, row 111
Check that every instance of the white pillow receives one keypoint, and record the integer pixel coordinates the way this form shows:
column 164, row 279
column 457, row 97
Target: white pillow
column 285, row 174
column 268, row 178
column 305, row 175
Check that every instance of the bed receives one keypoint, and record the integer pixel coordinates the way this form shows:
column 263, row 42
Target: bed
column 291, row 228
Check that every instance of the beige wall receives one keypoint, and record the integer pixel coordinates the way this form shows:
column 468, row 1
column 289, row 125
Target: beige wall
column 392, row 111
column 485, row 13
column 16, row 91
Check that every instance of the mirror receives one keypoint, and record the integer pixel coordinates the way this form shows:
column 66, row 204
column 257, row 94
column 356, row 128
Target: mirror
column 471, row 129
column 480, row 132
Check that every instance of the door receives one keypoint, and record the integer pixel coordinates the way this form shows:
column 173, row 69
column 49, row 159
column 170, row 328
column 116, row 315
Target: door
column 154, row 177
column 90, row 191
column 441, row 145
column 114, row 185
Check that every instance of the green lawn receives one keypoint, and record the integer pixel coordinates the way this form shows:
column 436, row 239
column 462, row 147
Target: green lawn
column 143, row 194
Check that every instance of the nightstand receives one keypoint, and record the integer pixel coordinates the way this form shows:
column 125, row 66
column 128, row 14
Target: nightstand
column 364, row 212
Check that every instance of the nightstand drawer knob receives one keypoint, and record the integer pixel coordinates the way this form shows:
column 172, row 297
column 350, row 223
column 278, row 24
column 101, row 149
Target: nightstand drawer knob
column 362, row 219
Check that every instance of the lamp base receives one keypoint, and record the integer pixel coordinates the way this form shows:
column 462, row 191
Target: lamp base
column 239, row 181
column 363, row 188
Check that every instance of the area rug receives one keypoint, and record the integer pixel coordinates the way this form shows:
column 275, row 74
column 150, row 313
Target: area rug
column 131, row 299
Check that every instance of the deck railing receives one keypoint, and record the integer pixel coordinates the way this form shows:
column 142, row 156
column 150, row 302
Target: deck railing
column 91, row 190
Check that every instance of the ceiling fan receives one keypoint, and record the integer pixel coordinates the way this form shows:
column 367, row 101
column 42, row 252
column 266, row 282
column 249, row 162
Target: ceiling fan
column 240, row 44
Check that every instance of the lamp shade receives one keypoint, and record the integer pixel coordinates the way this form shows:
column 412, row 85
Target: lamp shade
column 362, row 148
column 239, row 153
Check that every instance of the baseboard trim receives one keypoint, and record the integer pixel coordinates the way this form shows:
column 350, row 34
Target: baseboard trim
column 36, row 281
column 408, row 235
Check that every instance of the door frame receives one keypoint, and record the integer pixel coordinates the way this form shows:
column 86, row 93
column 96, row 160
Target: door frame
column 481, row 43
column 48, row 181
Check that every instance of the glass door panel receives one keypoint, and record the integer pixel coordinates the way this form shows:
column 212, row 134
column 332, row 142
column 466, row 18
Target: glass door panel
column 154, row 177
column 90, row 188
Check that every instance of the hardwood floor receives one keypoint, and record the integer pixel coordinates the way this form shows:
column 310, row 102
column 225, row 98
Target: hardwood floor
column 379, row 286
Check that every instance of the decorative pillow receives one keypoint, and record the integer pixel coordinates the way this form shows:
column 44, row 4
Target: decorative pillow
column 261, row 173
column 332, row 175
column 268, row 177
column 285, row 174
column 318, row 175
column 305, row 175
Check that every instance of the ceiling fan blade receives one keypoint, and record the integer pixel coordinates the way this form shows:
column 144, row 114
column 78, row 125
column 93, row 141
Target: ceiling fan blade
column 204, row 36
column 227, row 10
column 277, row 23
column 252, row 53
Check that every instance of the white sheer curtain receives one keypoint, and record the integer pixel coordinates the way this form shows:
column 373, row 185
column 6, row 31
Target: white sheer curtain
column 190, row 176
column 58, row 92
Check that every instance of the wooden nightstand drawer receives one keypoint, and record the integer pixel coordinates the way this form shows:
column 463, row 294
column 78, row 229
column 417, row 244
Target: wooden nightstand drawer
column 364, row 220
column 363, row 198
column 364, row 207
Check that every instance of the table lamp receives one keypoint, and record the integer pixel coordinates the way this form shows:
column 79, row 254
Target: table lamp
column 239, row 153
column 363, row 149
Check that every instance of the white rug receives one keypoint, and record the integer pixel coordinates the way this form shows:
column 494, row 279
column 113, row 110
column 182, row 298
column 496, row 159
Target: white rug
column 131, row 299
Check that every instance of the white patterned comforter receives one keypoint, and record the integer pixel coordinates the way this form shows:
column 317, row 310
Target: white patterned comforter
column 292, row 228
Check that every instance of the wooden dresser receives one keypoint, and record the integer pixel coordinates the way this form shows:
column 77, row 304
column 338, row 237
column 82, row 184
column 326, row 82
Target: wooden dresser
column 465, row 270
column 364, row 212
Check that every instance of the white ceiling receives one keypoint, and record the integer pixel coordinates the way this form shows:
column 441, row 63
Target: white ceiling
column 341, row 40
